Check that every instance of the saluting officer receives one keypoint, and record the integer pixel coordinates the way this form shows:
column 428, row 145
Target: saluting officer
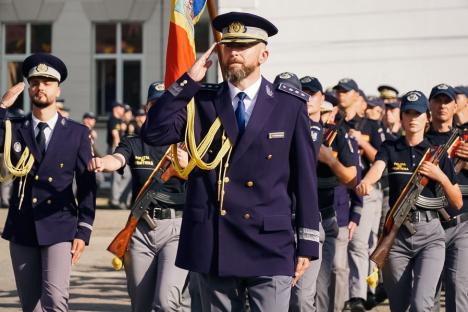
column 443, row 106
column 47, row 228
column 415, row 261
column 154, row 282
column 242, row 238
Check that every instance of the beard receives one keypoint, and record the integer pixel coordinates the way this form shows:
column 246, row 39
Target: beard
column 236, row 75
column 41, row 102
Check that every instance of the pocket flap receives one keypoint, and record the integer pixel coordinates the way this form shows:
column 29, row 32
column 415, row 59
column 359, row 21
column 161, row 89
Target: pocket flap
column 277, row 223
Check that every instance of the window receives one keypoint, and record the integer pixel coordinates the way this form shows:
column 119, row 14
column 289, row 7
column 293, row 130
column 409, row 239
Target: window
column 118, row 65
column 20, row 40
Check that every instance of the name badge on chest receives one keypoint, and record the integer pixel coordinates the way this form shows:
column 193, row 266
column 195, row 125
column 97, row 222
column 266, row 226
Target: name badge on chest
column 276, row 135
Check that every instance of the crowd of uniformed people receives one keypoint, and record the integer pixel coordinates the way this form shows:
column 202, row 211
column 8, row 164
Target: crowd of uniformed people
column 282, row 208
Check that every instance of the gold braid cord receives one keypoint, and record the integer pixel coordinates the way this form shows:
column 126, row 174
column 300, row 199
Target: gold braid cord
column 23, row 166
column 196, row 153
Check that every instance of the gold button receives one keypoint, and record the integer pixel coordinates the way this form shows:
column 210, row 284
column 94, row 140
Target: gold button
column 226, row 180
column 49, row 201
column 247, row 216
column 250, row 184
column 269, row 157
column 50, row 179
column 61, row 165
column 34, row 200
column 36, row 177
column 223, row 212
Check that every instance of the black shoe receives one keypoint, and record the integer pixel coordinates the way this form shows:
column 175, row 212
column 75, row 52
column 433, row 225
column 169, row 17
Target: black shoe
column 357, row 305
column 380, row 294
column 370, row 302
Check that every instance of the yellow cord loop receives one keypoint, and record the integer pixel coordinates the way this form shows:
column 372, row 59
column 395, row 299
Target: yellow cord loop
column 22, row 167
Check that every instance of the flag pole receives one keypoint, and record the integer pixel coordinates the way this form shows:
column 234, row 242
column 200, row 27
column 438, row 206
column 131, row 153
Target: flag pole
column 216, row 34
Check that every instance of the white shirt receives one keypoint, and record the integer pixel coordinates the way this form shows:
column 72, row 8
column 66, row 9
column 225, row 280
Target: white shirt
column 250, row 99
column 48, row 130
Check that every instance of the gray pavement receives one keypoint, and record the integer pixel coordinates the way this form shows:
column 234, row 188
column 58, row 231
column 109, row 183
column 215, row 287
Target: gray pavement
column 95, row 285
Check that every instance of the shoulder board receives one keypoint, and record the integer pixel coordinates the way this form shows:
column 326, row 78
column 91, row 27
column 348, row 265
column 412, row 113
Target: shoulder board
column 210, row 87
column 293, row 91
column 15, row 118
column 66, row 120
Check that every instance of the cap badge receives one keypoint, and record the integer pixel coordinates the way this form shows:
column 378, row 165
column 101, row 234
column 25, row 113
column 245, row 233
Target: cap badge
column 285, row 76
column 442, row 87
column 159, row 86
column 41, row 68
column 344, row 80
column 236, row 27
column 413, row 97
column 306, row 80
column 17, row 147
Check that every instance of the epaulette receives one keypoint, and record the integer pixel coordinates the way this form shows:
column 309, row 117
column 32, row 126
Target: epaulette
column 210, row 87
column 293, row 91
column 66, row 120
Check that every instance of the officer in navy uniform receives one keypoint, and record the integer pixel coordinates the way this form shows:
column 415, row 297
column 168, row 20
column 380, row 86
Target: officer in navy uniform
column 443, row 106
column 46, row 226
column 369, row 135
column 154, row 282
column 416, row 259
column 236, row 229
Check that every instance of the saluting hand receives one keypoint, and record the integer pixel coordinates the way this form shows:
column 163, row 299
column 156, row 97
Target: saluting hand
column 9, row 98
column 198, row 70
column 363, row 188
column 301, row 266
column 96, row 164
column 78, row 246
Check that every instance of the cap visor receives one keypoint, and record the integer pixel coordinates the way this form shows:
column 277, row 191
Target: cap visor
column 417, row 108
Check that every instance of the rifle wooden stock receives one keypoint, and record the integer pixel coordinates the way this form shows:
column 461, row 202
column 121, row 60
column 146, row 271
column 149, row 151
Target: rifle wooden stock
column 380, row 254
column 120, row 243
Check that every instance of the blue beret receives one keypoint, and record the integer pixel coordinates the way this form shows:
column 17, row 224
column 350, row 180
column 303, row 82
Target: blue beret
column 311, row 83
column 155, row 90
column 288, row 78
column 443, row 89
column 414, row 100
column 44, row 65
column 242, row 27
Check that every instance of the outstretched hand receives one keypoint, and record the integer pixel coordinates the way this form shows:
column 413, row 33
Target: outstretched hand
column 9, row 98
column 198, row 70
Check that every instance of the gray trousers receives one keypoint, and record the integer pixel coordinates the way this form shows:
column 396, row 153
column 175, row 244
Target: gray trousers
column 303, row 294
column 42, row 276
column 228, row 294
column 455, row 271
column 121, row 187
column 340, row 278
column 412, row 270
column 359, row 249
column 154, row 282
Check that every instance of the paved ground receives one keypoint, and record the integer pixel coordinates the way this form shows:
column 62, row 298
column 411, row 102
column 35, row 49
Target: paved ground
column 95, row 285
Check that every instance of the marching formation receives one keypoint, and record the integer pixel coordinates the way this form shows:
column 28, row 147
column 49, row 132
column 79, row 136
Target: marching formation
column 249, row 195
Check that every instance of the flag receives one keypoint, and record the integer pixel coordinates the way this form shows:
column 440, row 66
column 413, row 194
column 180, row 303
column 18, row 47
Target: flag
column 180, row 53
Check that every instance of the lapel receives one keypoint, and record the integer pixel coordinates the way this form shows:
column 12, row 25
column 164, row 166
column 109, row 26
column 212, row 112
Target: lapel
column 263, row 107
column 59, row 136
column 27, row 134
column 224, row 110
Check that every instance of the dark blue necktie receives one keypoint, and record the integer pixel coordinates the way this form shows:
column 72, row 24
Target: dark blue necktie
column 40, row 137
column 240, row 112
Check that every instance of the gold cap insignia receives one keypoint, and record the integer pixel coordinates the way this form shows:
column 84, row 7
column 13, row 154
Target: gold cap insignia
column 159, row 86
column 413, row 97
column 236, row 27
column 41, row 68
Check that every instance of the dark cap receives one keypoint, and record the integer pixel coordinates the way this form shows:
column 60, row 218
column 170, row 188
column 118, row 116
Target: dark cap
column 347, row 84
column 89, row 115
column 140, row 112
column 331, row 97
column 373, row 101
column 393, row 104
column 128, row 108
column 387, row 92
column 414, row 100
column 44, row 65
column 443, row 89
column 242, row 27
column 155, row 90
column 461, row 90
column 118, row 104
column 288, row 78
column 311, row 83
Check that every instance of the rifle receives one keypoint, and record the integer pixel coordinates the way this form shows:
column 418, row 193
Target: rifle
column 119, row 245
column 406, row 201
column 332, row 129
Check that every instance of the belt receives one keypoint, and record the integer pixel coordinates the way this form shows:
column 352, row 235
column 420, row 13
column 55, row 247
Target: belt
column 455, row 220
column 327, row 213
column 164, row 213
column 418, row 216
